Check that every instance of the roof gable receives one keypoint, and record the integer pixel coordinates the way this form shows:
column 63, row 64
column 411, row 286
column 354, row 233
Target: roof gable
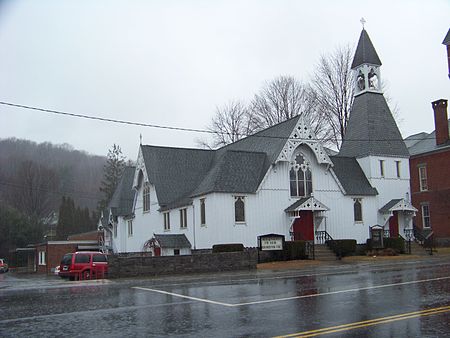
column 121, row 203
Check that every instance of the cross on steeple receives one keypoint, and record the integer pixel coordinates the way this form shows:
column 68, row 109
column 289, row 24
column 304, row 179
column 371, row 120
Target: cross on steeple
column 363, row 21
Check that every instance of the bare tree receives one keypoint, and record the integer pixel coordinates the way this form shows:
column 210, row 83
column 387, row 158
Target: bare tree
column 278, row 100
column 34, row 190
column 231, row 122
column 333, row 89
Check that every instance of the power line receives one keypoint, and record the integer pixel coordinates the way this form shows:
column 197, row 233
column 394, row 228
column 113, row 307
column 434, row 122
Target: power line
column 149, row 125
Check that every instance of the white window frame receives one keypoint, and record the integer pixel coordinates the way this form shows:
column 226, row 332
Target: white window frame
column 236, row 199
column 166, row 216
column 423, row 178
column 130, row 228
column 42, row 258
column 361, row 207
column 146, row 197
column 203, row 211
column 183, row 218
column 426, row 215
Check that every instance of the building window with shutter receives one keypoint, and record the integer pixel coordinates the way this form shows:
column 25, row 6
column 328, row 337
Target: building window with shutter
column 426, row 219
column 202, row 211
column 183, row 218
column 357, row 210
column 146, row 197
column 166, row 221
column 239, row 209
column 423, row 182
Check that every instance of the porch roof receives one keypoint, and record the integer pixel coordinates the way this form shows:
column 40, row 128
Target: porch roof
column 173, row 241
column 397, row 205
column 307, row 203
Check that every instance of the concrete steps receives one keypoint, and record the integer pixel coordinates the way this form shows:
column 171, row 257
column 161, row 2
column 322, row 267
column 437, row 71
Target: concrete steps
column 417, row 249
column 323, row 253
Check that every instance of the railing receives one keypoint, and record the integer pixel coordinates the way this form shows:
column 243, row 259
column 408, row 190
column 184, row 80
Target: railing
column 323, row 237
column 424, row 239
column 409, row 237
column 310, row 249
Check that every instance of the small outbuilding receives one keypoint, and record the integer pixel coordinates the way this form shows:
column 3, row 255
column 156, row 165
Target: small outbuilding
column 168, row 245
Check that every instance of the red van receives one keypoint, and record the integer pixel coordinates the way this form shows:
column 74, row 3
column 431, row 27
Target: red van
column 83, row 265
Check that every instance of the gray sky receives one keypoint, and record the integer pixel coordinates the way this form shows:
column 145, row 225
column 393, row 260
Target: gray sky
column 171, row 62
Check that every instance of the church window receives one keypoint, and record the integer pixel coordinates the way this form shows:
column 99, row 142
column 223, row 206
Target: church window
column 239, row 209
column 357, row 210
column 381, row 168
column 202, row 212
column 146, row 197
column 166, row 221
column 397, row 167
column 183, row 218
column 300, row 177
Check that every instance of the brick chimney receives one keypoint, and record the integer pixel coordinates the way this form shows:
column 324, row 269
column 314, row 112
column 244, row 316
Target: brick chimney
column 441, row 121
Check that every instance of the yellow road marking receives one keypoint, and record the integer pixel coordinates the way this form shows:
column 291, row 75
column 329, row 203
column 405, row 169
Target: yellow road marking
column 370, row 322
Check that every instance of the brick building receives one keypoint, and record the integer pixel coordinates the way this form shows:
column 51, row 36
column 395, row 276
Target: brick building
column 430, row 179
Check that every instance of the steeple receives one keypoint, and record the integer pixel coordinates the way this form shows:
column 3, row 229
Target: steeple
column 366, row 65
column 371, row 129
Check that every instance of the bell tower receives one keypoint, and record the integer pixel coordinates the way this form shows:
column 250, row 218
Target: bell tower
column 366, row 65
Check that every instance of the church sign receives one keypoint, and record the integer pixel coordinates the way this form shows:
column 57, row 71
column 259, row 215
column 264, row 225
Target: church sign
column 271, row 242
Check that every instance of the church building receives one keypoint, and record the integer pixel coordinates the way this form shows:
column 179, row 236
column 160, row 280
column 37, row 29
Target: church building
column 278, row 181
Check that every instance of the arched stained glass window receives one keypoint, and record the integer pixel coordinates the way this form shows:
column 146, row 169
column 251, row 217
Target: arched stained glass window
column 300, row 177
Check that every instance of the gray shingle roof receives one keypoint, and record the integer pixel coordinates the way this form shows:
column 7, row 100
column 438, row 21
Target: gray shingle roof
column 176, row 172
column 365, row 52
column 234, row 171
column 177, row 241
column 424, row 143
column 352, row 177
column 447, row 39
column 371, row 129
column 385, row 209
column 121, row 203
column 179, row 174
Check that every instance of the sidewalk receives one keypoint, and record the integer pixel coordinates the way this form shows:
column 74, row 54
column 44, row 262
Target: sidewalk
column 301, row 264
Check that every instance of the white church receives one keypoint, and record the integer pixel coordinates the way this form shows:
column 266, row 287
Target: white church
column 278, row 181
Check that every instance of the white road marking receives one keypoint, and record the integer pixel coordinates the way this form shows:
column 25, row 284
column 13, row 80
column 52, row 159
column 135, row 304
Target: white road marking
column 183, row 296
column 293, row 297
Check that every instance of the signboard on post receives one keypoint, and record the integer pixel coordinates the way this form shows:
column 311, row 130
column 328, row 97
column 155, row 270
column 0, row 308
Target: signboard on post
column 271, row 242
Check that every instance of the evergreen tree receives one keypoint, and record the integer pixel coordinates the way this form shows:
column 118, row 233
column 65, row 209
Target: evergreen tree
column 113, row 170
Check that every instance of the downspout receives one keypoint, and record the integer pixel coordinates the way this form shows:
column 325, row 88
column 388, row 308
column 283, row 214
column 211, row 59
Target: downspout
column 193, row 221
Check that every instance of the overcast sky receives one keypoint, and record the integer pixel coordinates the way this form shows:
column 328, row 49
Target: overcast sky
column 172, row 62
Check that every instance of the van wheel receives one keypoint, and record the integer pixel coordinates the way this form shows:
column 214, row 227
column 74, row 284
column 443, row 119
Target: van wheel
column 86, row 275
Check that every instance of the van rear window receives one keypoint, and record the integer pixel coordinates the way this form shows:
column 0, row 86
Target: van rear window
column 67, row 259
column 82, row 258
column 99, row 258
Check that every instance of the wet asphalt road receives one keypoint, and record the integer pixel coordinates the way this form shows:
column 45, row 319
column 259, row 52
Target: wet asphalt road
column 399, row 299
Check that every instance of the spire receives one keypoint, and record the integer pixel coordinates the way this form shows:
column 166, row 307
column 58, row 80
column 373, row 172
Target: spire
column 365, row 52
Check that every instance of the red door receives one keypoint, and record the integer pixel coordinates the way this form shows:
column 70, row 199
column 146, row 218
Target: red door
column 393, row 225
column 157, row 251
column 303, row 227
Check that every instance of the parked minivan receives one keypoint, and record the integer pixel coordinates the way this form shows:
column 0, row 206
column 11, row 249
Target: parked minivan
column 83, row 265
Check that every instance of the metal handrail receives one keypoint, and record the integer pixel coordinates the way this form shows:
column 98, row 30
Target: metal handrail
column 323, row 237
